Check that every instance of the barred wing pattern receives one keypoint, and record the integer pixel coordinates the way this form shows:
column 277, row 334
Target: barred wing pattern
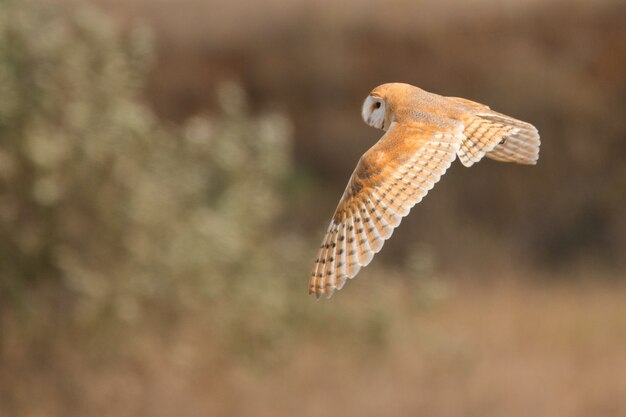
column 521, row 146
column 499, row 137
column 496, row 136
column 390, row 178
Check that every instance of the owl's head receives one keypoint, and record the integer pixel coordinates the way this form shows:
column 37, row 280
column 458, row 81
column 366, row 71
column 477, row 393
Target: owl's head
column 379, row 106
column 374, row 111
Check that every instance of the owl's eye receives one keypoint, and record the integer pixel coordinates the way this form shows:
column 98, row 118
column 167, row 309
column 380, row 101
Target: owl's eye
column 377, row 105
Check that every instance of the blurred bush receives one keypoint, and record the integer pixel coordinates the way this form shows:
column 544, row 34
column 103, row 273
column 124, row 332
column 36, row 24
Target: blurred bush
column 106, row 212
column 115, row 225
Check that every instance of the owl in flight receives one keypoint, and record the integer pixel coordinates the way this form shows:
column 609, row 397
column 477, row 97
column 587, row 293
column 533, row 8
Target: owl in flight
column 424, row 133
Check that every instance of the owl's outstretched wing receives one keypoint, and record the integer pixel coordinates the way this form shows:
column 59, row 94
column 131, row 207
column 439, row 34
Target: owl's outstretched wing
column 521, row 146
column 496, row 136
column 390, row 178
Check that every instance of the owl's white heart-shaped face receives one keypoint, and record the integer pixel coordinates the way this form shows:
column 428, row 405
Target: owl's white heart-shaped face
column 374, row 112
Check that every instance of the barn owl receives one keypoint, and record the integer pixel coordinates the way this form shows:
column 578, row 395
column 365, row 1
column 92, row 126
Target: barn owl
column 424, row 133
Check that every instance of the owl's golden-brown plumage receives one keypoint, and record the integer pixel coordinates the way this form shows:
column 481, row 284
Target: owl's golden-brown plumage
column 424, row 134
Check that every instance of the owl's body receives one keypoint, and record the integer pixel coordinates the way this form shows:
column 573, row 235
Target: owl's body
column 409, row 104
column 425, row 132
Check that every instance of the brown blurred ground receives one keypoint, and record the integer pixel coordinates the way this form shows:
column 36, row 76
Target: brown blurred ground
column 514, row 350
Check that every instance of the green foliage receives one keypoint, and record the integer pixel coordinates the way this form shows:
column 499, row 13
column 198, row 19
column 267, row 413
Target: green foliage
column 115, row 224
column 115, row 211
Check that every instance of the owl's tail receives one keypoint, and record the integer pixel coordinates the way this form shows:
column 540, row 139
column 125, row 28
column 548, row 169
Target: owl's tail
column 498, row 137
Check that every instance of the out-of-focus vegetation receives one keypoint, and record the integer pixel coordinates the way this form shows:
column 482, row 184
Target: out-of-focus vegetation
column 112, row 219
column 102, row 201
column 156, row 231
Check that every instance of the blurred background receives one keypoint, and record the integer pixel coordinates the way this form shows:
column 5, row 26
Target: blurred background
column 168, row 168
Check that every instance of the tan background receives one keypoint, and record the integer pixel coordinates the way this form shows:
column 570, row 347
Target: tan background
column 502, row 294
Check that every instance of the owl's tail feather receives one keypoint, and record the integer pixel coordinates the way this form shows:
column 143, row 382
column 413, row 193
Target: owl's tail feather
column 498, row 137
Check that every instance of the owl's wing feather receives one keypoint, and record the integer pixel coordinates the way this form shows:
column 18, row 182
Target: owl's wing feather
column 390, row 178
column 496, row 136
column 482, row 135
column 521, row 146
